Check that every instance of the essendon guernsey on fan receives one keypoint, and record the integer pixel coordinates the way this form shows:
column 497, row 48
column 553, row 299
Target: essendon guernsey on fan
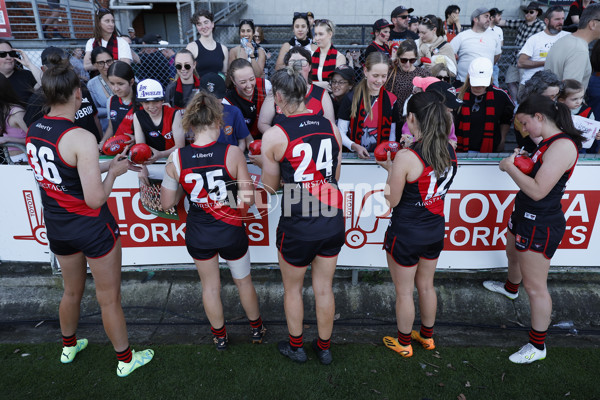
column 308, row 171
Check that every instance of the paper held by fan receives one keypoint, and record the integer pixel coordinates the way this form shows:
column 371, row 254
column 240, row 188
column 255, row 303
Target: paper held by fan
column 588, row 127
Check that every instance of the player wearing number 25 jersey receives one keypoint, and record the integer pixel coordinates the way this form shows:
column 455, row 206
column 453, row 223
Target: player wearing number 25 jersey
column 303, row 153
column 418, row 180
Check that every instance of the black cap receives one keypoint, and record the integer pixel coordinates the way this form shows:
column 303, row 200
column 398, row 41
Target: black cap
column 534, row 5
column 401, row 9
column 151, row 38
column 345, row 72
column 48, row 51
column 213, row 84
column 380, row 24
column 494, row 11
column 448, row 91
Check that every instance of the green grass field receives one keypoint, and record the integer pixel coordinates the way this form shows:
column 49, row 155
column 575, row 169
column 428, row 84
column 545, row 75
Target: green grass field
column 245, row 371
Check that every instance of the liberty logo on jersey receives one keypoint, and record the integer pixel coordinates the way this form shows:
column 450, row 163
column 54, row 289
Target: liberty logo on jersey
column 36, row 223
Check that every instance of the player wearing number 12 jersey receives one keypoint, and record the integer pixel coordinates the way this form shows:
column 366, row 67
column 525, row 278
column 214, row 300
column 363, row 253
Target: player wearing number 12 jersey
column 81, row 229
column 214, row 176
column 303, row 151
column 418, row 180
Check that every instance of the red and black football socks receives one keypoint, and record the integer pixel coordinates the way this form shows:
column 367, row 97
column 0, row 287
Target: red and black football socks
column 69, row 341
column 125, row 355
column 404, row 338
column 296, row 342
column 426, row 332
column 511, row 287
column 537, row 338
column 257, row 323
column 220, row 333
column 323, row 344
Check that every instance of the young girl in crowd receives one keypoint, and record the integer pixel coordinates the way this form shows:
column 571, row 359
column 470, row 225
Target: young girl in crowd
column 179, row 93
column 156, row 124
column 537, row 224
column 212, row 174
column 418, row 180
column 121, row 105
column 368, row 114
column 248, row 49
column 381, row 36
column 248, row 93
column 572, row 96
column 300, row 39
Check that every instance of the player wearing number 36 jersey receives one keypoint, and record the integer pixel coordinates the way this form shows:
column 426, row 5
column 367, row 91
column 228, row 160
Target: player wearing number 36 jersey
column 81, row 230
column 215, row 178
column 418, row 180
column 303, row 152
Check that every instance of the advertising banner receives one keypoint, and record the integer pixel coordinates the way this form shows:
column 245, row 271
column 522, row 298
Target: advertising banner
column 4, row 24
column 477, row 208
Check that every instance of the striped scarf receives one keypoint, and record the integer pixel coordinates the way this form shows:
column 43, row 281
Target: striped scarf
column 178, row 101
column 328, row 65
column 111, row 46
column 489, row 123
column 383, row 106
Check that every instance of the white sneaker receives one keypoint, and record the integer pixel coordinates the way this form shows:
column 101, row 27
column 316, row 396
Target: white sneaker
column 528, row 354
column 498, row 287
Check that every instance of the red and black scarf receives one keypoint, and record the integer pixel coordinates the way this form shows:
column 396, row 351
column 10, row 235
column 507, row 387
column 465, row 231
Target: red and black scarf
column 384, row 118
column 258, row 98
column 111, row 46
column 178, row 101
column 328, row 66
column 585, row 111
column 489, row 124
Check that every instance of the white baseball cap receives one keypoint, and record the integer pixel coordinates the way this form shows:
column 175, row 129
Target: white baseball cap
column 162, row 43
column 480, row 72
column 149, row 90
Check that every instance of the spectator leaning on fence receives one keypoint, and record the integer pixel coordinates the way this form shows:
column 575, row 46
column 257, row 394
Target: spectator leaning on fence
column 342, row 81
column 22, row 81
column 105, row 35
column 248, row 49
column 476, row 42
column 525, row 29
column 210, row 55
column 569, row 58
column 12, row 126
column 179, row 92
column 532, row 56
column 300, row 39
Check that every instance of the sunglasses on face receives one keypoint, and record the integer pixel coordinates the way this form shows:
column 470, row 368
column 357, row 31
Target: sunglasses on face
column 410, row 60
column 302, row 62
column 402, row 16
column 531, row 11
column 11, row 53
column 106, row 63
column 179, row 67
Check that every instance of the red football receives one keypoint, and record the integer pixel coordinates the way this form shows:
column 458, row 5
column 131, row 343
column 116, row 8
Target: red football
column 383, row 147
column 140, row 153
column 524, row 163
column 115, row 144
column 425, row 60
column 254, row 147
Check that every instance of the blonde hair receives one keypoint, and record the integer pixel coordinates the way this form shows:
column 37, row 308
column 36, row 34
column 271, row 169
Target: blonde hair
column 329, row 25
column 203, row 111
column 361, row 89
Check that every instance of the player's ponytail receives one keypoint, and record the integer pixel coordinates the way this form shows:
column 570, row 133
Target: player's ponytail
column 556, row 112
column 59, row 81
column 203, row 111
column 434, row 122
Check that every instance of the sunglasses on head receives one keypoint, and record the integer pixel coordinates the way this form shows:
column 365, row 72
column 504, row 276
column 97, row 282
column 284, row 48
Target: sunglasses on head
column 180, row 66
column 103, row 11
column 301, row 15
column 410, row 60
column 11, row 53
column 246, row 21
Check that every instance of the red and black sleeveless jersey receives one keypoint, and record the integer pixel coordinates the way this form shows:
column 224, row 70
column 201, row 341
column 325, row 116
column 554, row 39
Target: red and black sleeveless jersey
column 311, row 202
column 158, row 137
column 313, row 101
column 250, row 109
column 551, row 203
column 121, row 116
column 210, row 188
column 419, row 216
column 59, row 182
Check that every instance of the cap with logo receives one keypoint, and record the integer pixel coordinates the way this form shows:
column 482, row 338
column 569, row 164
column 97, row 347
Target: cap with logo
column 380, row 24
column 213, row 84
column 448, row 91
column 149, row 90
column 480, row 72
